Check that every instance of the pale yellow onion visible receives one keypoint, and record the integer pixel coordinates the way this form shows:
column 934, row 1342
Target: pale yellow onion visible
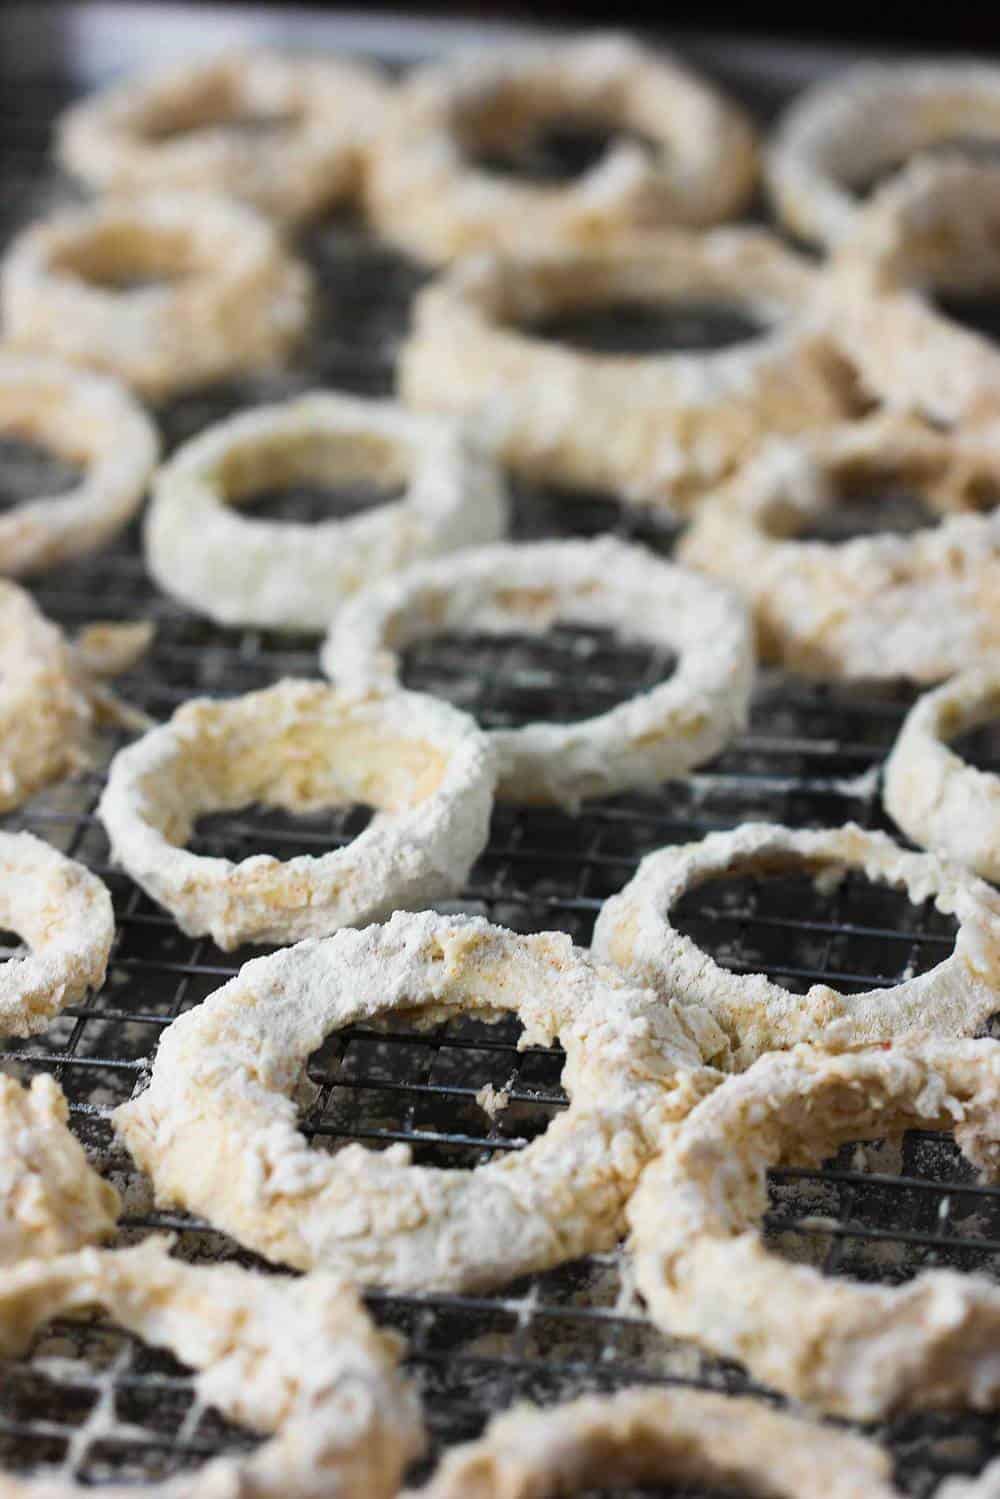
column 217, row 1128
column 855, row 1350
column 298, row 1361
column 423, row 765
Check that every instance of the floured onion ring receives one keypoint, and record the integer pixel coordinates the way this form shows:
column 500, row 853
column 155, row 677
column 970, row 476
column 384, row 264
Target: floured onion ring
column 647, row 1436
column 652, row 429
column 302, row 746
column 841, row 133
column 858, row 1351
column 241, row 571
column 52, row 694
column 64, row 914
column 85, row 418
column 931, row 228
column 179, row 129
column 298, row 1361
column 424, row 192
column 936, row 798
column 45, row 713
column 886, row 605
column 659, row 733
column 956, row 997
column 227, row 297
column 51, row 1199
column 216, row 1128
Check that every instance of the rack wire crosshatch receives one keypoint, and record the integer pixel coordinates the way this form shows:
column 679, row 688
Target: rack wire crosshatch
column 102, row 1406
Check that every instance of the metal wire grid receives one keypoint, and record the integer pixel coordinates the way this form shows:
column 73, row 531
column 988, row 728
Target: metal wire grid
column 102, row 1406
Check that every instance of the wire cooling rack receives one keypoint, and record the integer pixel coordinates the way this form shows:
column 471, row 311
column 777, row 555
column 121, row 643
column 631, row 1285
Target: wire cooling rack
column 92, row 1400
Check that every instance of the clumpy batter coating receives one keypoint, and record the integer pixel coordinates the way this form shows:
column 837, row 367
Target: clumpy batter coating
column 64, row 914
column 298, row 1361
column 168, row 130
column 655, row 1436
column 659, row 733
column 929, row 229
column 956, row 997
column 51, row 1199
column 424, row 766
column 46, row 712
column 843, row 131
column 223, row 295
column 242, row 571
column 654, row 430
column 858, row 1351
column 217, row 1126
column 885, row 605
column 696, row 166
column 85, row 418
column 936, row 798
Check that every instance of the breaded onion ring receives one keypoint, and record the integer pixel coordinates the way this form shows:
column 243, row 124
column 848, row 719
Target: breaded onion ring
column 238, row 570
column 646, row 1436
column 168, row 130
column 657, row 734
column 64, row 914
column 51, row 1199
column 858, row 1351
column 956, row 997
column 216, row 1128
column 45, row 712
column 424, row 765
column 931, row 228
column 85, row 418
column 878, row 606
column 51, row 692
column 842, row 132
column 227, row 298
column 654, row 429
column 424, row 193
column 297, row 1360
column 936, row 798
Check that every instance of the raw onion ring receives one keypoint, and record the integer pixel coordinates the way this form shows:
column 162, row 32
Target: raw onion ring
column 52, row 1201
column 935, row 797
column 64, row 914
column 654, row 735
column 296, row 1360
column 653, row 429
column 46, row 714
column 858, row 1351
column 931, row 228
column 238, row 570
column 423, row 192
column 843, row 131
column 302, row 746
column 956, row 997
column 876, row 606
column 85, row 418
column 167, row 131
column 216, row 1128
column 238, row 302
column 652, row 1436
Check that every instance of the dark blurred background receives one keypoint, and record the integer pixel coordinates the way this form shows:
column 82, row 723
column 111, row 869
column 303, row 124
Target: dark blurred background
column 944, row 26
column 951, row 27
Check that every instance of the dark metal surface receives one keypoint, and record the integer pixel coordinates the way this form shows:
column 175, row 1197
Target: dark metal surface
column 95, row 1402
